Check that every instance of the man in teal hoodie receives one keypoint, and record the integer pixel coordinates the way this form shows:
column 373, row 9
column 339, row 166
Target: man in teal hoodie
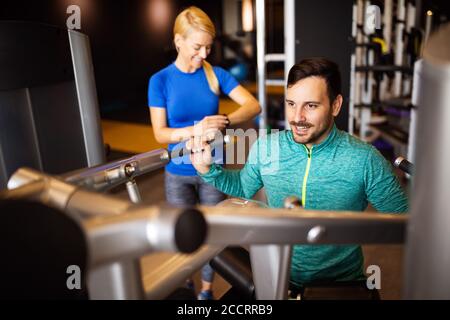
column 326, row 168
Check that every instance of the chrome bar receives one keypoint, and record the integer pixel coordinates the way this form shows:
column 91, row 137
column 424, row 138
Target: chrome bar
column 141, row 230
column 54, row 192
column 117, row 229
column 270, row 232
column 166, row 272
column 246, row 226
column 23, row 176
column 32, row 190
column 108, row 175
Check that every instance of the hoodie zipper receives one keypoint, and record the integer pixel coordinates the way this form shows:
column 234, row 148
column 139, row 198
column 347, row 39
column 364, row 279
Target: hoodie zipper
column 305, row 177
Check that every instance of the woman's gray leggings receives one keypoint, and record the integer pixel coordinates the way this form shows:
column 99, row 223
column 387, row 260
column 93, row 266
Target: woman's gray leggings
column 182, row 191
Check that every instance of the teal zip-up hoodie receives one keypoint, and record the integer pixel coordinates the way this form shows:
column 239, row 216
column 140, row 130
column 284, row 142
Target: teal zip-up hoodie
column 341, row 173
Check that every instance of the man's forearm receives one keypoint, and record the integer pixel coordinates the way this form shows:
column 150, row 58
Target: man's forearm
column 227, row 181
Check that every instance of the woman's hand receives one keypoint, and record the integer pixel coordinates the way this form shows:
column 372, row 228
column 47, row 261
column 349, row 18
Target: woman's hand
column 210, row 125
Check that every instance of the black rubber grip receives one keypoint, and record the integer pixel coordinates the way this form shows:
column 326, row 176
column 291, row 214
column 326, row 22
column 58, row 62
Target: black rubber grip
column 190, row 230
column 233, row 264
column 404, row 165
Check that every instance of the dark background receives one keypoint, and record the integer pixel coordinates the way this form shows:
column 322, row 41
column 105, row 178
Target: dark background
column 127, row 49
column 332, row 25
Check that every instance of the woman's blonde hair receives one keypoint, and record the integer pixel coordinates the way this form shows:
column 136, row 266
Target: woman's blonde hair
column 195, row 18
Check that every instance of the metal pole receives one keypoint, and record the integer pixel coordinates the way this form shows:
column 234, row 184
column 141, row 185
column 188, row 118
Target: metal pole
column 367, row 98
column 353, row 81
column 359, row 79
column 260, row 60
column 387, row 21
column 387, row 34
column 398, row 58
column 133, row 191
column 270, row 266
column 428, row 24
column 414, row 101
column 128, row 273
column 289, row 42
column 428, row 239
column 410, row 24
column 87, row 97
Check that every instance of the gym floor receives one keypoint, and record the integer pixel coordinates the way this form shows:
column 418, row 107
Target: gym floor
column 135, row 135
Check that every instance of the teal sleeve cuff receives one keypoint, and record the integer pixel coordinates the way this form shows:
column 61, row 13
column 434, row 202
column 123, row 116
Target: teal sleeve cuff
column 214, row 171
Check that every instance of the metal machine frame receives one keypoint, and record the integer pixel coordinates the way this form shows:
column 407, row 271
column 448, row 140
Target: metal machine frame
column 126, row 230
column 43, row 85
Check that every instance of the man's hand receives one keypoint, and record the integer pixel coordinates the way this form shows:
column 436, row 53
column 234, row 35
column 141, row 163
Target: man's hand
column 200, row 153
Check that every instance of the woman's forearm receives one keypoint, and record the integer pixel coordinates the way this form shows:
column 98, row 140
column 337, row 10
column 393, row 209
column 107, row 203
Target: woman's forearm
column 247, row 111
column 171, row 135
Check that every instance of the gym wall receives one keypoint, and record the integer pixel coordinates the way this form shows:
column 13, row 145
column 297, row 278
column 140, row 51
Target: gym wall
column 324, row 28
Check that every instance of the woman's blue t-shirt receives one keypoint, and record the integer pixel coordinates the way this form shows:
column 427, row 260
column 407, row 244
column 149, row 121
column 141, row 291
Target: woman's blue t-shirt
column 187, row 99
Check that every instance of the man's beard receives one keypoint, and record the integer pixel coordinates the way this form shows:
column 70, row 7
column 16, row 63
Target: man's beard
column 315, row 136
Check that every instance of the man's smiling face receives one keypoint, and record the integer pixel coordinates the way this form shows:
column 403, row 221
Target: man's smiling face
column 309, row 111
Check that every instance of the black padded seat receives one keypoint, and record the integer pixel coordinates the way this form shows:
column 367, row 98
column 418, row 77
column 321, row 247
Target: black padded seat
column 37, row 245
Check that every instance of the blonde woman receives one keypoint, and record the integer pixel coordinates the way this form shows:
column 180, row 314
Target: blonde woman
column 184, row 101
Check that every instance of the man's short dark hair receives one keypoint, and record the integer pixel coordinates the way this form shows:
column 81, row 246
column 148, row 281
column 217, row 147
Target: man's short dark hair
column 319, row 67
